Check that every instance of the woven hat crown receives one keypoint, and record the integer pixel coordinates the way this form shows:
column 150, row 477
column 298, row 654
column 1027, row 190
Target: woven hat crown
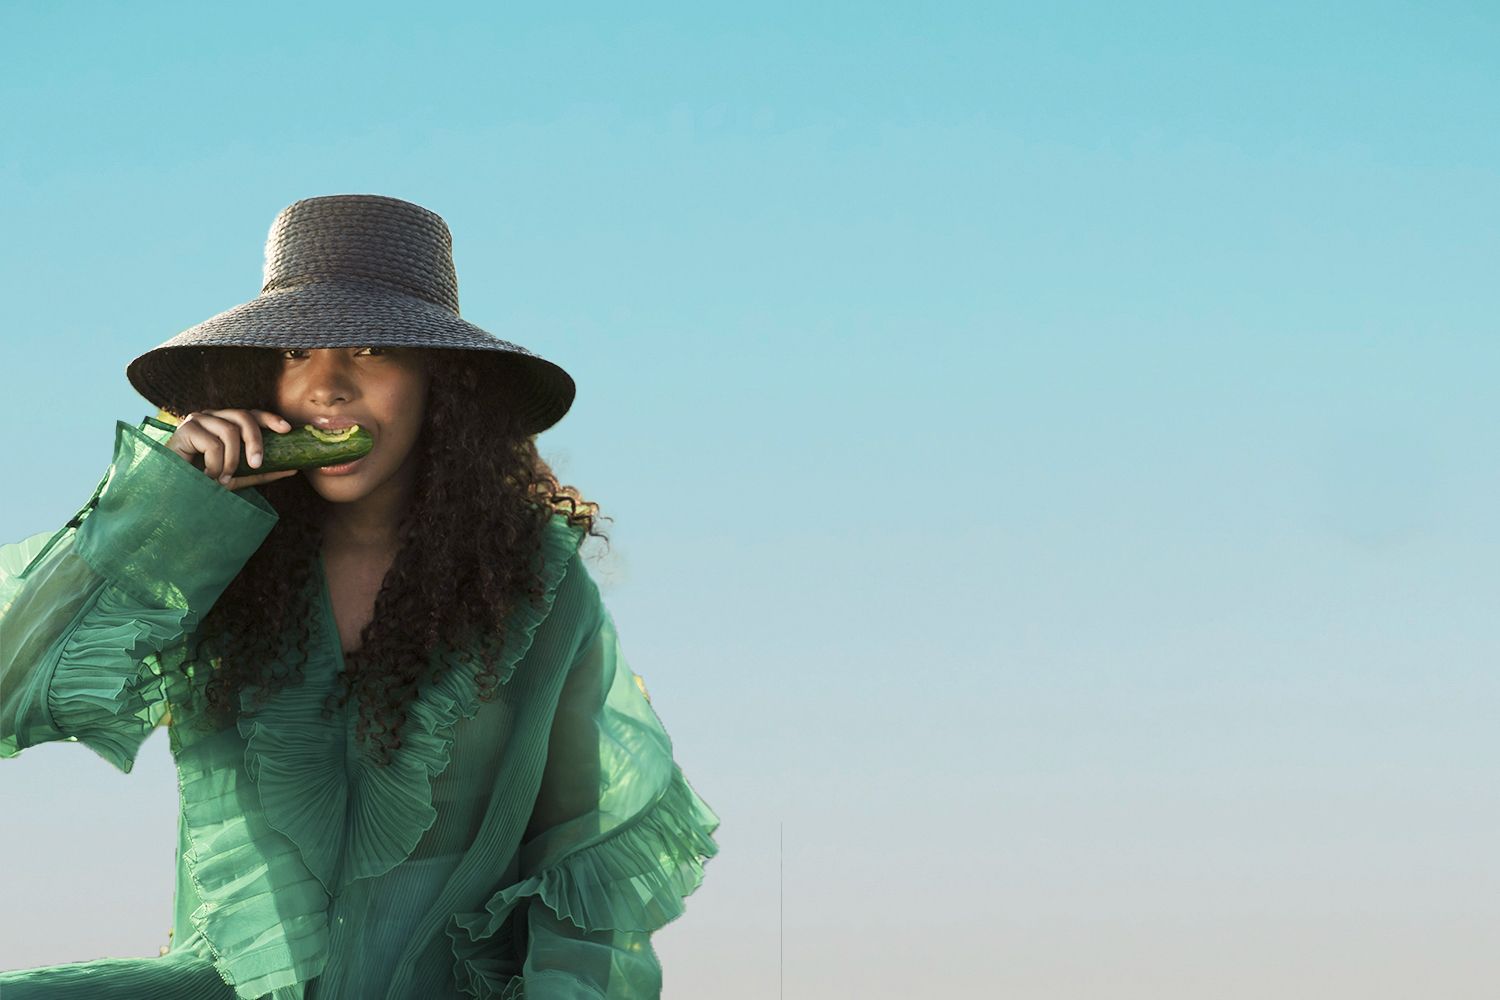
column 369, row 239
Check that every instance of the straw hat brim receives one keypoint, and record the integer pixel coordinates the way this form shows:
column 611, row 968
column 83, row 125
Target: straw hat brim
column 347, row 313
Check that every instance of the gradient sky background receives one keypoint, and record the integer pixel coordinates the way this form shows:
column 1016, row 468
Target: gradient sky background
column 1052, row 449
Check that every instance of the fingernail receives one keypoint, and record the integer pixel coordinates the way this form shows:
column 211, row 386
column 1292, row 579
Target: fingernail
column 255, row 460
column 225, row 478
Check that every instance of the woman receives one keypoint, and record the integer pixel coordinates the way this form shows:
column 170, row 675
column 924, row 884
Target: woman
column 413, row 760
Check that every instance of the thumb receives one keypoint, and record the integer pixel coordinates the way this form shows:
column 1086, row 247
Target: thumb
column 239, row 482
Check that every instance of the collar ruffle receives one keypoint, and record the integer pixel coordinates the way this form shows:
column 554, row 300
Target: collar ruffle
column 275, row 831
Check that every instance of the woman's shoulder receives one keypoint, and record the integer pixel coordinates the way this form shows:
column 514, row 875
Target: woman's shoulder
column 576, row 601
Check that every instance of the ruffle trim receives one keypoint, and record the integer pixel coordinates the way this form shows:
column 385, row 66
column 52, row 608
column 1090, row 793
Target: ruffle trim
column 108, row 690
column 633, row 880
column 493, row 981
column 263, row 916
column 360, row 825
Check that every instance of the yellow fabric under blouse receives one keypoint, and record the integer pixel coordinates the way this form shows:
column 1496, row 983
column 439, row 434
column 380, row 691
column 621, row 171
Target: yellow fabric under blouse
column 305, row 870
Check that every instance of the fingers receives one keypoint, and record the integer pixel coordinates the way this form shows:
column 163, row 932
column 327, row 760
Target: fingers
column 273, row 420
column 246, row 429
column 222, row 436
column 228, row 426
column 251, row 421
column 243, row 437
column 201, row 438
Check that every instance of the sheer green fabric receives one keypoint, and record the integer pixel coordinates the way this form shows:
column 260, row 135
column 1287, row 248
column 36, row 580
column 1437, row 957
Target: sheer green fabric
column 87, row 610
column 618, row 839
column 526, row 846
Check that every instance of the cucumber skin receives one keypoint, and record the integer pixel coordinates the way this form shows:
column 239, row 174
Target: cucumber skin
column 298, row 449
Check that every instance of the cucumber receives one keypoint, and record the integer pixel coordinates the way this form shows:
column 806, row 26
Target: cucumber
column 307, row 447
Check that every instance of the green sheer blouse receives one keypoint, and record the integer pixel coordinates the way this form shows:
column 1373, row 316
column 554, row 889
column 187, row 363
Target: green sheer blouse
column 523, row 847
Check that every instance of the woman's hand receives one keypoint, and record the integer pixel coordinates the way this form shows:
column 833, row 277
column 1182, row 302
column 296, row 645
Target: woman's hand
column 211, row 440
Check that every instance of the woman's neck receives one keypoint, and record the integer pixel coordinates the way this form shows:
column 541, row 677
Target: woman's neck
column 343, row 536
column 370, row 524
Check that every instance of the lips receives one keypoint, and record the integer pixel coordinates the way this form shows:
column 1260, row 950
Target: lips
column 343, row 468
column 332, row 423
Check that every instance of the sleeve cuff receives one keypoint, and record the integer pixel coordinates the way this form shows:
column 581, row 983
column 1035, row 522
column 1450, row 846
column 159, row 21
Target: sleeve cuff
column 108, row 689
column 165, row 532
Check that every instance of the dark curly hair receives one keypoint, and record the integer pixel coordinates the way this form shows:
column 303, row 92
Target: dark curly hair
column 470, row 548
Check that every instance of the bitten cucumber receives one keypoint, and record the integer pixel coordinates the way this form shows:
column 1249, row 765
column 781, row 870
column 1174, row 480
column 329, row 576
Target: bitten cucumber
column 307, row 447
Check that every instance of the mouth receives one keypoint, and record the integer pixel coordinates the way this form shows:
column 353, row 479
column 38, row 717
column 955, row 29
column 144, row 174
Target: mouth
column 331, row 430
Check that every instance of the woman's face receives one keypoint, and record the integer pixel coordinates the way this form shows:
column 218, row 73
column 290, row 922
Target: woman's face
column 383, row 389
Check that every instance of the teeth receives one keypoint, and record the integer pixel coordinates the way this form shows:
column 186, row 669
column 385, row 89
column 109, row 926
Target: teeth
column 333, row 423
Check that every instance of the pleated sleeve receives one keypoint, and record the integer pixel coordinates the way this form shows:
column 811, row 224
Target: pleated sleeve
column 616, row 841
column 87, row 611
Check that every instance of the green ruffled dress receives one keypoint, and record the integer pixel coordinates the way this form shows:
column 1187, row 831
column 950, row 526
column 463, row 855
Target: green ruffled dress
column 523, row 847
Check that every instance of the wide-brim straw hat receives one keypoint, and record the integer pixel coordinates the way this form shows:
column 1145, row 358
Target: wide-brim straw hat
column 355, row 270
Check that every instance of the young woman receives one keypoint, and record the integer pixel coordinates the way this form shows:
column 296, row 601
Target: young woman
column 413, row 761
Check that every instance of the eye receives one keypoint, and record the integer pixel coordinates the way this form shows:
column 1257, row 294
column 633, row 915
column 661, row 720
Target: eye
column 379, row 352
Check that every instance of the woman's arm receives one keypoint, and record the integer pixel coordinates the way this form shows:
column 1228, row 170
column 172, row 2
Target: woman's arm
column 86, row 611
column 616, row 841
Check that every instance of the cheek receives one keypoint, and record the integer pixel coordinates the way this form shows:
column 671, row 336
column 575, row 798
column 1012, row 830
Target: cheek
column 411, row 405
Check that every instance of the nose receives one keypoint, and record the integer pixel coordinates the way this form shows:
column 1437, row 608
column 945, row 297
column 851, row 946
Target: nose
column 330, row 377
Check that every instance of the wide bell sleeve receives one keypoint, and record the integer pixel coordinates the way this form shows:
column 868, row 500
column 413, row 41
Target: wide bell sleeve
column 616, row 841
column 87, row 611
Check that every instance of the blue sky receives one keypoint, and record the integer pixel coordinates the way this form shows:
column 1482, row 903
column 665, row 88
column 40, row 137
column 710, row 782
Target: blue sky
column 1052, row 449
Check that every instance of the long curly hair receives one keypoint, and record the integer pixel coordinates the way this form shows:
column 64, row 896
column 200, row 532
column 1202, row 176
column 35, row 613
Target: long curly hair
column 470, row 548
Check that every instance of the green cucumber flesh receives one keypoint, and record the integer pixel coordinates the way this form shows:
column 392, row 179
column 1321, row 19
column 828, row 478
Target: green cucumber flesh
column 307, row 447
